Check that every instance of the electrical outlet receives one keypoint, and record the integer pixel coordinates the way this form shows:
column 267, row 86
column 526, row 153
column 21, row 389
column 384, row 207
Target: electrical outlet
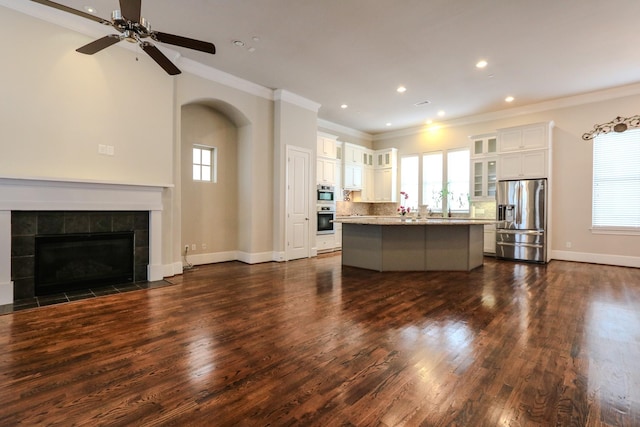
column 568, row 245
column 204, row 246
column 193, row 246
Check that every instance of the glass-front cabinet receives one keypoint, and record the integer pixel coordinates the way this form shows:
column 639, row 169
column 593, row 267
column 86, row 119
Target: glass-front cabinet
column 485, row 174
column 484, row 145
column 484, row 166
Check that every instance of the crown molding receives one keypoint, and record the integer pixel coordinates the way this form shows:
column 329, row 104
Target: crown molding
column 555, row 104
column 226, row 79
column 334, row 127
column 292, row 98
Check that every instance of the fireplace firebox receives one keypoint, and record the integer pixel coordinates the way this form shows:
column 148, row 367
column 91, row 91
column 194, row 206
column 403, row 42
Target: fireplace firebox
column 67, row 262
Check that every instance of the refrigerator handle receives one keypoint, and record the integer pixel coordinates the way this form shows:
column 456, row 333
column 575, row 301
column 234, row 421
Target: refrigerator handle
column 519, row 199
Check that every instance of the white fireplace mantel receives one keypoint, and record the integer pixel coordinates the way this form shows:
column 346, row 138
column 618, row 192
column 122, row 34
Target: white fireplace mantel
column 42, row 194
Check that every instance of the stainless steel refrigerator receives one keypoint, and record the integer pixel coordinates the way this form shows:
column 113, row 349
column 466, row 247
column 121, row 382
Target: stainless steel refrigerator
column 521, row 231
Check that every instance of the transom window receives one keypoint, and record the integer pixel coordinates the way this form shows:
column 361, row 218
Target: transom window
column 616, row 182
column 204, row 161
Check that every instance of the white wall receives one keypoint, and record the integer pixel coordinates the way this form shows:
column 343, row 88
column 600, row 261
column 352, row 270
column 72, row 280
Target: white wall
column 57, row 105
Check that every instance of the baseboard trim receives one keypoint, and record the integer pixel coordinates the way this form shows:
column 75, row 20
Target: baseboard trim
column 619, row 260
column 6, row 293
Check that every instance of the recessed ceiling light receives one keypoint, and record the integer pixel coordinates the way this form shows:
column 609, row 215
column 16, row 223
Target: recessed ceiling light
column 401, row 89
column 429, row 121
column 481, row 64
column 388, row 124
column 90, row 9
column 441, row 113
column 509, row 99
column 252, row 49
column 238, row 43
column 343, row 106
column 255, row 38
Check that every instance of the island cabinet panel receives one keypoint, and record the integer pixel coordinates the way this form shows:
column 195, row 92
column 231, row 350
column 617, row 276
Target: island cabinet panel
column 364, row 247
column 413, row 246
column 401, row 247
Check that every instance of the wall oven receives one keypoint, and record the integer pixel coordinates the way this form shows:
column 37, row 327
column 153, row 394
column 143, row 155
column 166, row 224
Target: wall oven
column 326, row 194
column 326, row 215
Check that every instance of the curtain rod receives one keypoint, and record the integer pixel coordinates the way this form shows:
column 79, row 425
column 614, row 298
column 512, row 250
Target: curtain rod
column 619, row 124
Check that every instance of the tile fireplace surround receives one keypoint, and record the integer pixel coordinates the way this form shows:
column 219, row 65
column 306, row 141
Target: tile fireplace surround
column 25, row 194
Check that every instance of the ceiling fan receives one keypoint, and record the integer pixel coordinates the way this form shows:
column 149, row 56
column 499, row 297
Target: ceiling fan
column 134, row 29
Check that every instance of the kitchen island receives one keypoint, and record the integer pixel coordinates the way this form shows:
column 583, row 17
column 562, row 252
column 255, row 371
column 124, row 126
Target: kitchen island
column 399, row 244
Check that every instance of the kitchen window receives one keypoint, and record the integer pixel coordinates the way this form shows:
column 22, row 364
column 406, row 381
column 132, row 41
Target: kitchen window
column 409, row 180
column 204, row 162
column 616, row 183
column 428, row 180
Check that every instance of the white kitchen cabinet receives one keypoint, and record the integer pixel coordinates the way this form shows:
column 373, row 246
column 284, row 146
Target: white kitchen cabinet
column 386, row 158
column 484, row 176
column 484, row 145
column 528, row 137
column 367, row 157
column 326, row 171
column 490, row 239
column 352, row 176
column 326, row 146
column 385, row 185
column 368, row 185
column 353, row 154
column 338, row 236
column 325, row 242
column 525, row 164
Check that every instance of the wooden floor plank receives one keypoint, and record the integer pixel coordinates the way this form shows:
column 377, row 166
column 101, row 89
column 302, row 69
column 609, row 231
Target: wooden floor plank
column 310, row 342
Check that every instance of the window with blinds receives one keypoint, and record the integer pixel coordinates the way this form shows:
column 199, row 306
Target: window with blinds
column 616, row 182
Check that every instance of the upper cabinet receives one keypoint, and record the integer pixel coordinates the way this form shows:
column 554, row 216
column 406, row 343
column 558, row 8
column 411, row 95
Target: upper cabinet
column 525, row 151
column 484, row 170
column 484, row 145
column 353, row 154
column 528, row 137
column 327, row 146
column 326, row 171
column 386, row 158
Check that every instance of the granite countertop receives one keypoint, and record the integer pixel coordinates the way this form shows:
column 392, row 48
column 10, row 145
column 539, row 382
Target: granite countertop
column 397, row 220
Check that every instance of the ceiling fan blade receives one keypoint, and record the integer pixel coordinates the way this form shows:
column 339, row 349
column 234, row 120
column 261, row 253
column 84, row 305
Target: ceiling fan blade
column 184, row 42
column 98, row 45
column 74, row 11
column 160, row 58
column 131, row 9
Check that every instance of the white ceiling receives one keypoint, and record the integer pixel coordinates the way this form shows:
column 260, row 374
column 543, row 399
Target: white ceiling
column 359, row 51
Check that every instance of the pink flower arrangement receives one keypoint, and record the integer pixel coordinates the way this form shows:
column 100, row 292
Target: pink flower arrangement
column 402, row 210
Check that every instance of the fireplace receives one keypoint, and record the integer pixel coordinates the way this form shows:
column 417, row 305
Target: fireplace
column 36, row 206
column 69, row 262
column 51, row 251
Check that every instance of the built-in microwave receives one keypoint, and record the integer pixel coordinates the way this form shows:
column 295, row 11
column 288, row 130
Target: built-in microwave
column 326, row 194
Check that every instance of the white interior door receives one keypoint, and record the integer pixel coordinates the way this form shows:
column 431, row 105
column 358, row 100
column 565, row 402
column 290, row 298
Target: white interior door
column 298, row 204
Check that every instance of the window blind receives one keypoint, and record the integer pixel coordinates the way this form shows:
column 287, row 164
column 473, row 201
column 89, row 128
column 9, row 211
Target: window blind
column 616, row 181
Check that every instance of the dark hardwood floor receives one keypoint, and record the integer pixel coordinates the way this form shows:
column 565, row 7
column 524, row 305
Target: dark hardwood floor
column 311, row 343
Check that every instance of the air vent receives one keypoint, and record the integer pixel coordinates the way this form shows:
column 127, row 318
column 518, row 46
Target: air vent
column 422, row 103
